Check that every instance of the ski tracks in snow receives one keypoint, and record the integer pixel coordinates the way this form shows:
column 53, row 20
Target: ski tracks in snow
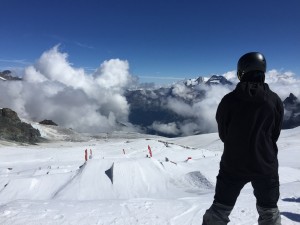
column 192, row 215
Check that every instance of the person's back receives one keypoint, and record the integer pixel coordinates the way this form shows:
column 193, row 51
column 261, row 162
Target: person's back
column 249, row 123
column 251, row 112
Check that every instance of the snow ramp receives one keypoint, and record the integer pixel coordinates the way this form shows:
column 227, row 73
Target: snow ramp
column 40, row 187
column 142, row 178
column 130, row 178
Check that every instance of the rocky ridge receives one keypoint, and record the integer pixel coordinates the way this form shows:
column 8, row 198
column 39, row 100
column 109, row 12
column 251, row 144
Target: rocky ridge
column 292, row 112
column 13, row 129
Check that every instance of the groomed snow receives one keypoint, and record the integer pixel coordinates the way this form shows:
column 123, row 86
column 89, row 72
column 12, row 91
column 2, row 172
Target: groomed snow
column 50, row 184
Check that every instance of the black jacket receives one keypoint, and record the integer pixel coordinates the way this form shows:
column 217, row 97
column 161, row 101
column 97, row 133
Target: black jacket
column 249, row 123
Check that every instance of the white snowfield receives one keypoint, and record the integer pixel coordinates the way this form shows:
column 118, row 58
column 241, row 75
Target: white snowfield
column 50, row 183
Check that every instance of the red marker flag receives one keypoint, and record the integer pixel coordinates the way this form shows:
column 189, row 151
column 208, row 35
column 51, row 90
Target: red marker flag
column 150, row 151
column 188, row 159
column 85, row 155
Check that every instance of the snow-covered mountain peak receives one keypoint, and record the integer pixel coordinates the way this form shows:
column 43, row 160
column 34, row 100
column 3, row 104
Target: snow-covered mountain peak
column 217, row 79
column 194, row 81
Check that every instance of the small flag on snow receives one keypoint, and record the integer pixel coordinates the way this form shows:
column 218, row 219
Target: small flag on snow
column 188, row 159
column 85, row 155
column 150, row 151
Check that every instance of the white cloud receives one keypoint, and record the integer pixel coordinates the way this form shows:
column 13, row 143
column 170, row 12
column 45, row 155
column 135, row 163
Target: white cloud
column 54, row 89
column 170, row 128
column 231, row 76
column 179, row 107
column 206, row 109
column 113, row 74
column 199, row 113
column 283, row 83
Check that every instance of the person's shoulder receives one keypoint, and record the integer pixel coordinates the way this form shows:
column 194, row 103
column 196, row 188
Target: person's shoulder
column 228, row 96
column 227, row 99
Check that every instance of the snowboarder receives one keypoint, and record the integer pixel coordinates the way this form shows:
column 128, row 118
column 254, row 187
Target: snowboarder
column 249, row 123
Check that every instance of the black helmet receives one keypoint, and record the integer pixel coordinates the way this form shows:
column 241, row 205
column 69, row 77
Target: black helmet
column 252, row 61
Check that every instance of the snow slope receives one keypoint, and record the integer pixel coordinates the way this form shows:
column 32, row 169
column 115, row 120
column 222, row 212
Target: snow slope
column 50, row 183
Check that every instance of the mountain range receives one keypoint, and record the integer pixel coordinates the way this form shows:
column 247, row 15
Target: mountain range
column 150, row 106
column 153, row 107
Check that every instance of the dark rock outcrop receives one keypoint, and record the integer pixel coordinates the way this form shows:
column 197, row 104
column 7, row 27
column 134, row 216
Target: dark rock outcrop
column 292, row 112
column 291, row 102
column 48, row 122
column 13, row 129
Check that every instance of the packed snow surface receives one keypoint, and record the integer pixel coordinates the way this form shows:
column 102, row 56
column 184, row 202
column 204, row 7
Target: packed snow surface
column 51, row 183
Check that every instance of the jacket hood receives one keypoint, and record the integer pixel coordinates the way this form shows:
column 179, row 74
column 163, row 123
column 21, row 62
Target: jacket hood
column 250, row 91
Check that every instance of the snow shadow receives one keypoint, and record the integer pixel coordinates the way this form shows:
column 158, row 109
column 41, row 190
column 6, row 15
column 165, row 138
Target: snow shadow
column 291, row 200
column 292, row 216
column 197, row 179
column 109, row 173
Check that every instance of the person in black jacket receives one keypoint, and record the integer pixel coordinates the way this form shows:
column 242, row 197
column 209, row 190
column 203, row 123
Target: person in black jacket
column 249, row 123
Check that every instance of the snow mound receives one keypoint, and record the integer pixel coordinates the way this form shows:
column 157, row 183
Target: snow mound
column 132, row 178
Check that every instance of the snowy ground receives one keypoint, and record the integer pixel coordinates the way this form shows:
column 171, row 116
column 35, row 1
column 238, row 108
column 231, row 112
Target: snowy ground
column 47, row 184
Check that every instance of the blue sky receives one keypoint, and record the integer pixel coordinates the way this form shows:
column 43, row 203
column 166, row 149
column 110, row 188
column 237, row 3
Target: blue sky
column 160, row 39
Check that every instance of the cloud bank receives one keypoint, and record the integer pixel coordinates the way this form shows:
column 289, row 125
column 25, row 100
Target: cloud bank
column 200, row 113
column 53, row 89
